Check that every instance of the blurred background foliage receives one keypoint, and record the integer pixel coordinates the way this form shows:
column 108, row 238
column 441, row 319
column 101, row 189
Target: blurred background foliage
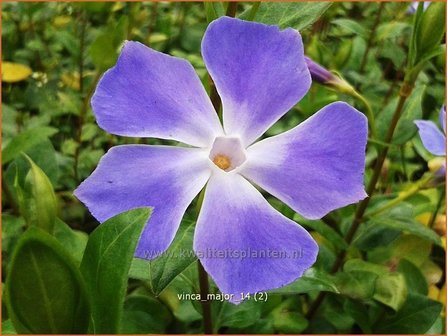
column 53, row 55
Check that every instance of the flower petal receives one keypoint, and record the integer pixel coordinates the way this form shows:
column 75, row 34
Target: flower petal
column 317, row 166
column 244, row 243
column 432, row 138
column 150, row 94
column 259, row 72
column 163, row 177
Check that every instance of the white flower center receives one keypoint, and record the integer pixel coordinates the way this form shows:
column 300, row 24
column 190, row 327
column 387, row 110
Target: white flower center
column 227, row 153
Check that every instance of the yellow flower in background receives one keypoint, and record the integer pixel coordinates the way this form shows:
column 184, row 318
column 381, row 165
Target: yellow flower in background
column 15, row 72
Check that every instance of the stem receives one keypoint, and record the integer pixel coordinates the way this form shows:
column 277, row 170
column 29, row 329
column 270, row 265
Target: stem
column 81, row 51
column 231, row 9
column 371, row 37
column 81, row 119
column 438, row 206
column 414, row 189
column 203, row 281
column 405, row 91
column 206, row 304
column 78, row 135
column 369, row 113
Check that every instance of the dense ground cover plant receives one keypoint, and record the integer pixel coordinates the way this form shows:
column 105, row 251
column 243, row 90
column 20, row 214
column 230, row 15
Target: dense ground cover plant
column 380, row 263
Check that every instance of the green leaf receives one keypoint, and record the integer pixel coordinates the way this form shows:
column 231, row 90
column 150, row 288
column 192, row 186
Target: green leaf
column 297, row 15
column 40, row 206
column 144, row 315
column 105, row 267
column 12, row 228
column 416, row 316
column 243, row 315
column 371, row 236
column 44, row 290
column 8, row 328
column 359, row 312
column 401, row 218
column 391, row 290
column 352, row 26
column 391, row 30
column 325, row 230
column 213, row 10
column 312, row 280
column 25, row 141
column 405, row 128
column 414, row 278
column 286, row 320
column 104, row 50
column 162, row 270
column 430, row 30
column 361, row 265
column 74, row 241
column 356, row 284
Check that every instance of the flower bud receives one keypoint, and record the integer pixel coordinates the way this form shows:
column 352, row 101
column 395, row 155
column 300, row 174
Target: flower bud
column 430, row 30
column 323, row 76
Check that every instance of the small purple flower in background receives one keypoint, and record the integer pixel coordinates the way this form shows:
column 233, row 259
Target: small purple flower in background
column 432, row 138
column 260, row 73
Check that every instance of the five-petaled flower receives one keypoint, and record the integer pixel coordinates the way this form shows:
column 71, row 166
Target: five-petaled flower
column 432, row 138
column 260, row 73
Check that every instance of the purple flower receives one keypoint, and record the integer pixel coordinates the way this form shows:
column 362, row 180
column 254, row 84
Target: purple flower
column 432, row 138
column 260, row 73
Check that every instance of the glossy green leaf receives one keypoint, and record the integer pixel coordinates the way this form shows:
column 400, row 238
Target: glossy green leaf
column 361, row 265
column 242, row 315
column 356, row 284
column 74, row 241
column 286, row 320
column 391, row 290
column 105, row 267
column 297, row 15
column 43, row 154
column 389, row 287
column 161, row 271
column 414, row 278
column 359, row 312
column 430, row 30
column 40, row 205
column 44, row 289
column 25, row 141
column 416, row 316
column 402, row 219
column 144, row 315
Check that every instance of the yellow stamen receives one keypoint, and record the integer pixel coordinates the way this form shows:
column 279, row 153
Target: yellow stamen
column 222, row 161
